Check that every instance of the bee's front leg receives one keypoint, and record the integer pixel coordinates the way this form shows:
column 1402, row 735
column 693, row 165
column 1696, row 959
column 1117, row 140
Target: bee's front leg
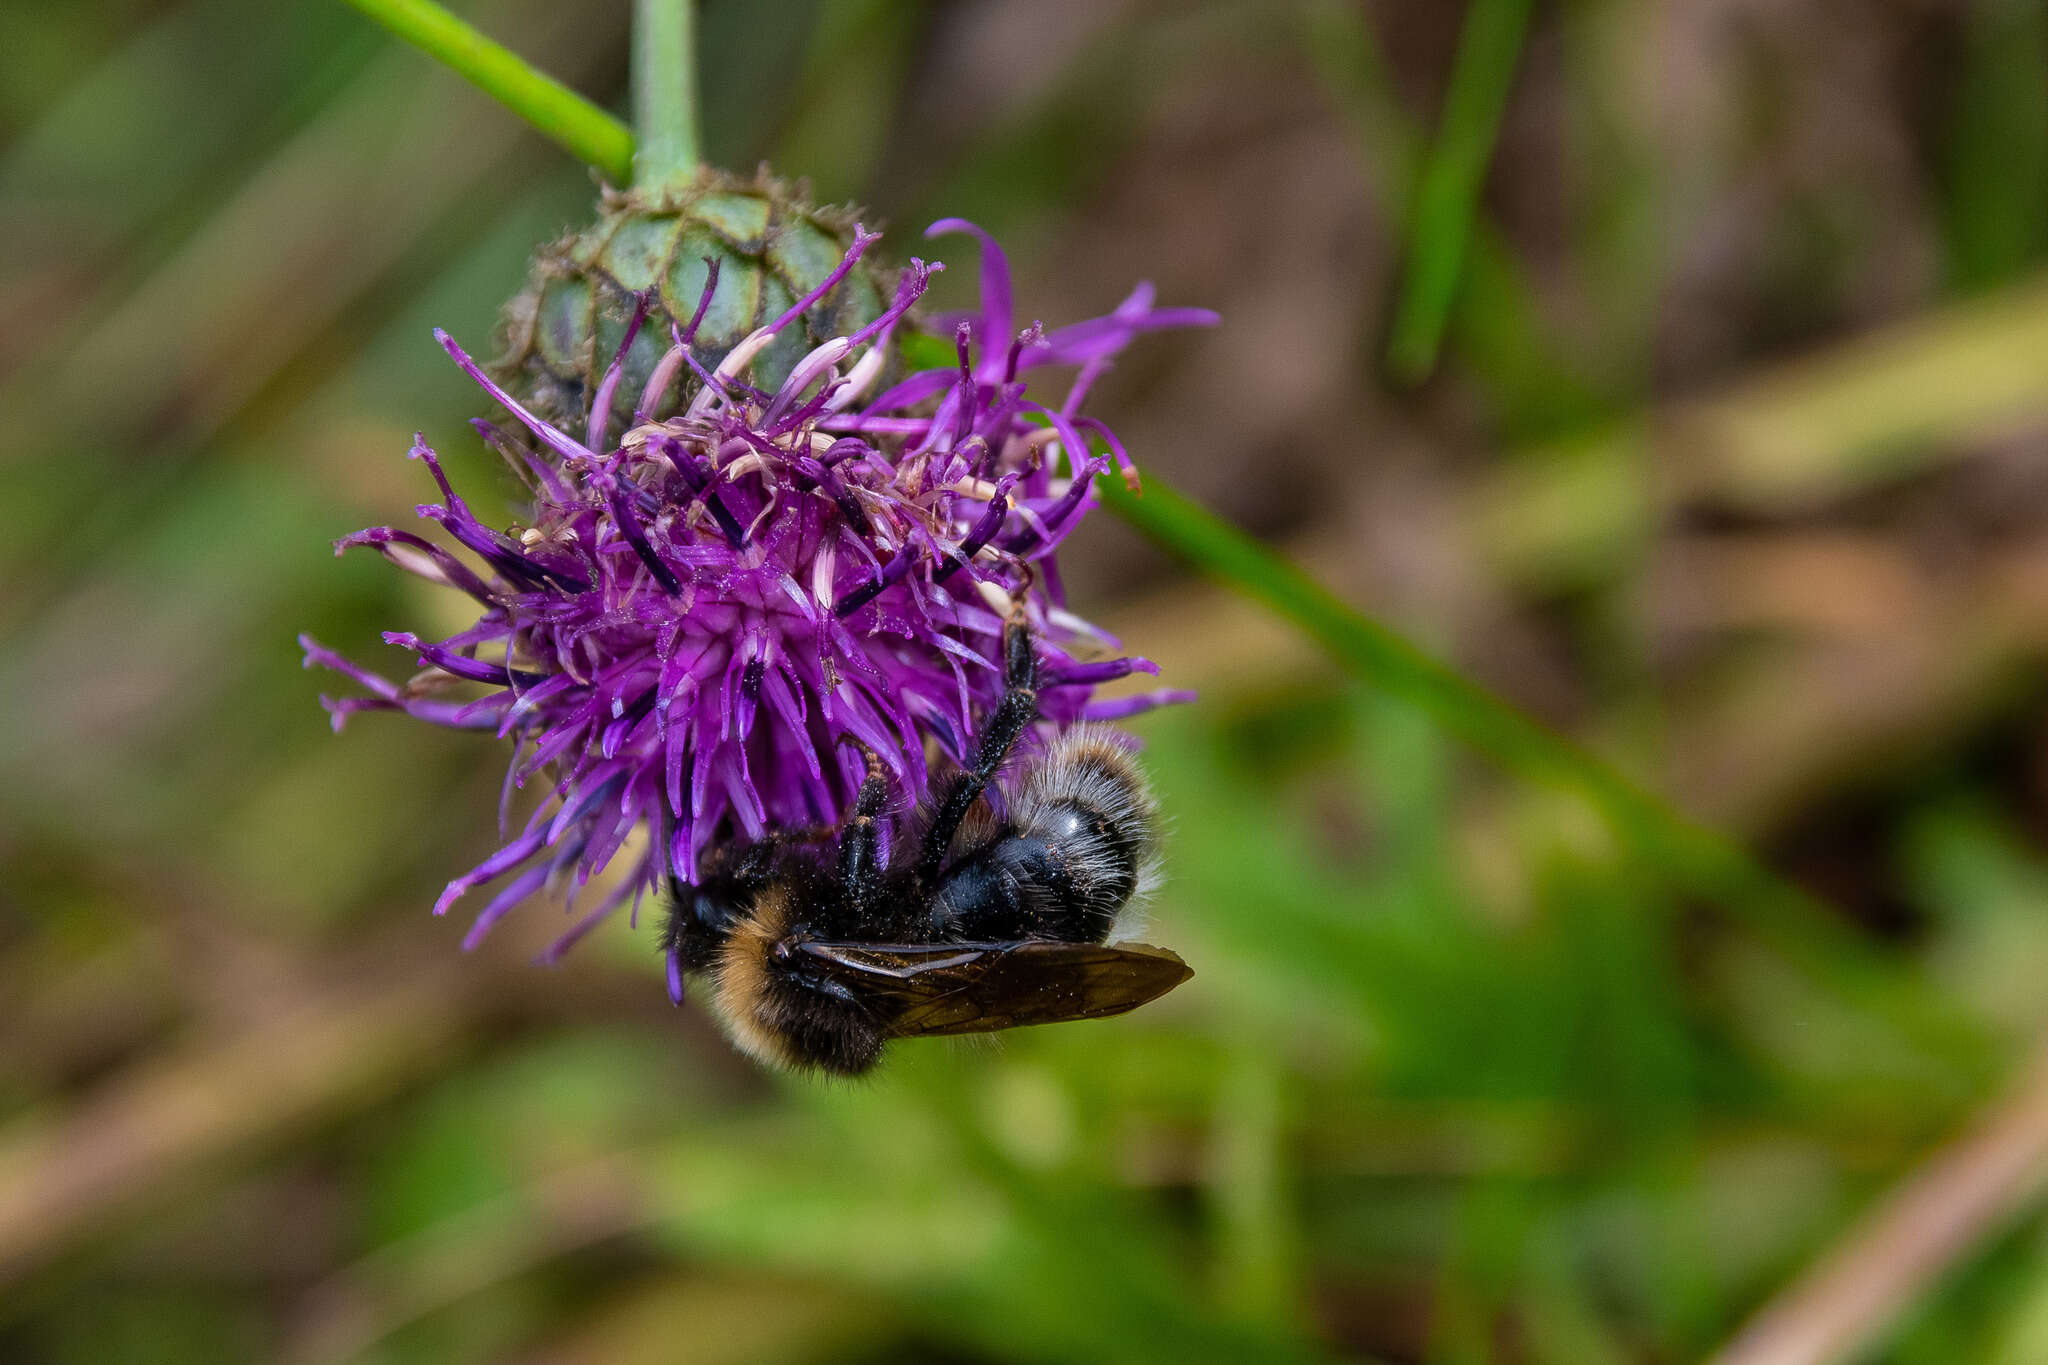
column 860, row 870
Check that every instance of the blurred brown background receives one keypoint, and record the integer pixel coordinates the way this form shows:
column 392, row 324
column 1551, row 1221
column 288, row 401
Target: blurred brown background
column 1679, row 368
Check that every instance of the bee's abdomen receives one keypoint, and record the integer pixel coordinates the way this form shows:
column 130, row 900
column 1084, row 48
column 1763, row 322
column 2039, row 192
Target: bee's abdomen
column 1090, row 862
column 1086, row 822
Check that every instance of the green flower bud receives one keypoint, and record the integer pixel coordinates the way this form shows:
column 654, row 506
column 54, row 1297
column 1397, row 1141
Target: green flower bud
column 772, row 247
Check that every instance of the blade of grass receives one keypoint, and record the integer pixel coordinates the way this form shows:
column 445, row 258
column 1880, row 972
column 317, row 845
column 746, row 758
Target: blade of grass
column 1540, row 386
column 67, row 1175
column 1447, row 197
column 389, row 162
column 1876, row 407
column 1996, row 162
column 581, row 128
column 1945, row 1210
column 1695, row 859
column 466, row 1253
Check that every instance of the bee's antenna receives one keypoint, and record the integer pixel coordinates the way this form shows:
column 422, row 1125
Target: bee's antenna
column 875, row 771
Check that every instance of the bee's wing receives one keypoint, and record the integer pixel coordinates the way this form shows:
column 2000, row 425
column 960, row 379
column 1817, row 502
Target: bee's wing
column 982, row 987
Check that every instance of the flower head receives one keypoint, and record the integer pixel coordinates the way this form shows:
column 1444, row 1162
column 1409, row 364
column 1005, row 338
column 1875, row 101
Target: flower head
column 709, row 617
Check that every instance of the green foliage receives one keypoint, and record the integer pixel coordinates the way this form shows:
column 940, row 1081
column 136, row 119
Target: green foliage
column 1447, row 194
column 1997, row 147
column 1500, row 1060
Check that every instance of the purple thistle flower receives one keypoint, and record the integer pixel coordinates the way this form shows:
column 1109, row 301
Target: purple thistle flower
column 709, row 619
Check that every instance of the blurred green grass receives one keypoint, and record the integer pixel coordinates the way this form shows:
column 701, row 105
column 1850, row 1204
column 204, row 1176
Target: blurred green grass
column 1456, row 1081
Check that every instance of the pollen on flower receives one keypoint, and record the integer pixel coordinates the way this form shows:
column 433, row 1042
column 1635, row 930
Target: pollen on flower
column 702, row 624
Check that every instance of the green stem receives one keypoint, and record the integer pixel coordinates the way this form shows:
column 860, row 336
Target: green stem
column 664, row 94
column 581, row 128
column 1447, row 198
column 1696, row 860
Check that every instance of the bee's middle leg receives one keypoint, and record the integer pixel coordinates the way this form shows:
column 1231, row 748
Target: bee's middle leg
column 1006, row 724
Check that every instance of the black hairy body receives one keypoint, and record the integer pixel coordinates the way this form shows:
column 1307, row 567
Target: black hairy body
column 821, row 950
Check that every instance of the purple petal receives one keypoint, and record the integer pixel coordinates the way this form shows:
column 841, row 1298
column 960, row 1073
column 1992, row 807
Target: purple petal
column 1121, row 708
column 551, row 436
column 522, row 886
column 862, row 240
column 996, row 307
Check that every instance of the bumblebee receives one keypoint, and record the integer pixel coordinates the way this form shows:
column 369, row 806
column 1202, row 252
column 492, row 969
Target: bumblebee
column 820, row 950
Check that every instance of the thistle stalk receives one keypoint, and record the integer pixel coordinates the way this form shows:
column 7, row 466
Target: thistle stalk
column 664, row 95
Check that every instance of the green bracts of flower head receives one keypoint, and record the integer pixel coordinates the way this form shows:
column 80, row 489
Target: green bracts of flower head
column 561, row 332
